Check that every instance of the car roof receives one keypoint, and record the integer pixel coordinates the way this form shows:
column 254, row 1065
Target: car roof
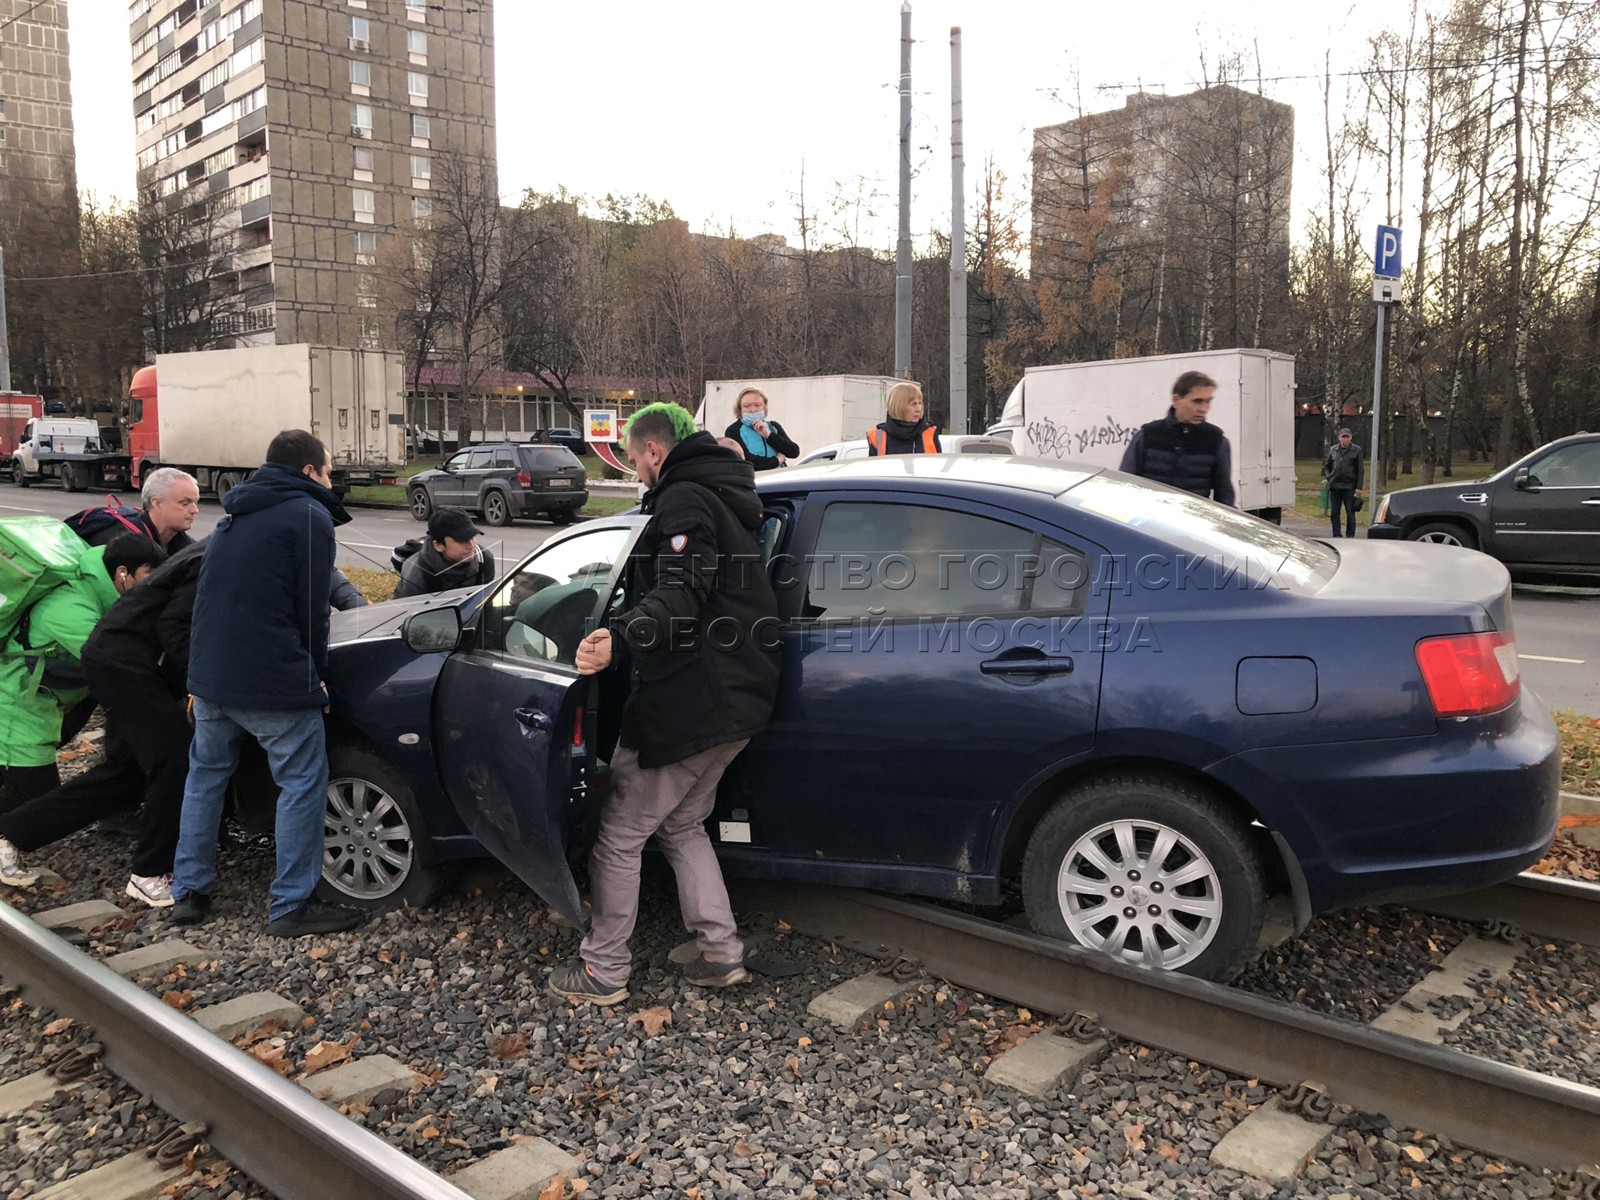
column 1037, row 475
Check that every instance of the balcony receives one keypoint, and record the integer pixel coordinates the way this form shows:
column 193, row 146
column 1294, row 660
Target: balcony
column 253, row 212
column 251, row 122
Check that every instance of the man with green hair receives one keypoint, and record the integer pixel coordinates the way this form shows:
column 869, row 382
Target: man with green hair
column 699, row 637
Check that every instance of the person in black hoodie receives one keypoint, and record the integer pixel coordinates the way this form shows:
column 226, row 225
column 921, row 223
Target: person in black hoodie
column 905, row 431
column 136, row 663
column 449, row 557
column 700, row 637
column 1181, row 449
column 268, row 570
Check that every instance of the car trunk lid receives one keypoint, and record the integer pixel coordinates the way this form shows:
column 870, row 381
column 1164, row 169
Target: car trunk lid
column 1414, row 578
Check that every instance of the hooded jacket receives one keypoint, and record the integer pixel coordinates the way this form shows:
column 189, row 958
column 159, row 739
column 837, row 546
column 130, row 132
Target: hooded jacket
column 58, row 624
column 260, row 633
column 905, row 437
column 1196, row 458
column 147, row 633
column 429, row 571
column 702, row 630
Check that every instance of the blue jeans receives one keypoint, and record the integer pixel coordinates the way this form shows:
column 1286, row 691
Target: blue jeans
column 1345, row 498
column 296, row 746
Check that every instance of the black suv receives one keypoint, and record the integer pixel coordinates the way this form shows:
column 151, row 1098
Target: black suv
column 1541, row 513
column 503, row 481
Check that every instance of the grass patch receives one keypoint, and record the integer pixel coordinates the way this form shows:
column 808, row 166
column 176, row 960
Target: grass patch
column 1580, row 753
column 608, row 506
column 375, row 585
column 1308, row 484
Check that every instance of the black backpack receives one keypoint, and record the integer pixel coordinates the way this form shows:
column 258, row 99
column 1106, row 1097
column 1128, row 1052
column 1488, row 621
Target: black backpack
column 403, row 551
column 98, row 526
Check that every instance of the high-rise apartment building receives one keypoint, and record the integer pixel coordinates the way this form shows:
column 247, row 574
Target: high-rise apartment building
column 296, row 136
column 36, row 154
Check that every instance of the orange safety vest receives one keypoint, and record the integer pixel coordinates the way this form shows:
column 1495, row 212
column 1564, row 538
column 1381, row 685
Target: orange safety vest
column 878, row 439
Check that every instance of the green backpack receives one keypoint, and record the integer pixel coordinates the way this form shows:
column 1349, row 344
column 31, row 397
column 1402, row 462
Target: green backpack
column 36, row 554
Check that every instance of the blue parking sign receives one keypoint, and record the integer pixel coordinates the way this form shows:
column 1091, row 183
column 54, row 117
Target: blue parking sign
column 1386, row 260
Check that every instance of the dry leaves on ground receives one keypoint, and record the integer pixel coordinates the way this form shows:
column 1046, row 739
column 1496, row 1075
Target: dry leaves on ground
column 325, row 1054
column 59, row 1025
column 654, row 1020
column 512, row 1045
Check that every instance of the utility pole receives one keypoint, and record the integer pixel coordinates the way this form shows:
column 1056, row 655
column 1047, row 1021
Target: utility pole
column 5, row 337
column 959, row 420
column 902, row 254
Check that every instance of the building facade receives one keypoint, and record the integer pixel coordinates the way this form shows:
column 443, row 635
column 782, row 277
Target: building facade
column 295, row 139
column 36, row 150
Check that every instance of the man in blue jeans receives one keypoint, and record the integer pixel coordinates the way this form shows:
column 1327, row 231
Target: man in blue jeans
column 258, row 655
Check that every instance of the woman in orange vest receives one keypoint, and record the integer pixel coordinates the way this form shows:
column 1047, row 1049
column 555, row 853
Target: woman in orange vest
column 905, row 431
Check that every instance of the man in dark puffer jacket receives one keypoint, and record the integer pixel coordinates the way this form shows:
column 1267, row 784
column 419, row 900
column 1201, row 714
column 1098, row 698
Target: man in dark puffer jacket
column 701, row 633
column 1181, row 449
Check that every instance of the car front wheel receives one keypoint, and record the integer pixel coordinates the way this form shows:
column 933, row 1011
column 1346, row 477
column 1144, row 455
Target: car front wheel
column 421, row 504
column 376, row 853
column 1443, row 533
column 1147, row 869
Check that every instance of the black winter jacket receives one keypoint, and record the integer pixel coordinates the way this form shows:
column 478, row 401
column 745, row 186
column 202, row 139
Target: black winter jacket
column 428, row 571
column 1196, row 458
column 905, row 437
column 146, row 633
column 701, row 631
column 260, row 636
column 777, row 442
column 1342, row 468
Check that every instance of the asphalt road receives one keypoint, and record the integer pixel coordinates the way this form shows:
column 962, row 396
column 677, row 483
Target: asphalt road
column 1558, row 628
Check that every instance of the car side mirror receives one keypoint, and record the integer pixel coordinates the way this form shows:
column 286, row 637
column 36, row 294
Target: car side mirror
column 432, row 631
column 1522, row 480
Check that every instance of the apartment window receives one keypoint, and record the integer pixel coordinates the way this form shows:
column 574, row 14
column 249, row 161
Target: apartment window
column 416, row 10
column 363, row 164
column 367, row 292
column 366, row 248
column 253, row 190
column 421, row 171
column 217, row 74
column 417, row 45
column 246, row 56
column 417, row 87
column 421, row 208
column 361, row 120
column 420, row 130
column 371, row 335
column 364, row 202
column 360, row 77
column 360, row 33
column 357, row 3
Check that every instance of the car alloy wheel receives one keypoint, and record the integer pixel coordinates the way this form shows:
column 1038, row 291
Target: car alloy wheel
column 368, row 848
column 496, row 511
column 1443, row 534
column 421, row 505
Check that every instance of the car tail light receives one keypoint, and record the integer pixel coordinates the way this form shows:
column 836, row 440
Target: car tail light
column 1470, row 674
column 524, row 479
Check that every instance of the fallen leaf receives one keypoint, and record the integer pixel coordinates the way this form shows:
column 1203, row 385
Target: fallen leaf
column 579, row 1186
column 512, row 1045
column 1415, row 1153
column 654, row 1020
column 429, row 1133
column 692, row 1193
column 178, row 1000
column 1167, row 1150
column 259, row 1033
column 272, row 1055
column 324, row 1054
column 805, row 1041
column 1493, row 1169
column 59, row 1025
column 743, row 1149
column 1134, row 1136
column 555, row 1189
column 317, row 953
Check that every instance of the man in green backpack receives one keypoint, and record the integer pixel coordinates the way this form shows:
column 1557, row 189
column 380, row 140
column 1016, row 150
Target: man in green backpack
column 54, row 589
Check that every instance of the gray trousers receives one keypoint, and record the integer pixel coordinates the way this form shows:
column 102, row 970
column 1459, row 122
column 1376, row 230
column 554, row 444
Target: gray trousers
column 671, row 803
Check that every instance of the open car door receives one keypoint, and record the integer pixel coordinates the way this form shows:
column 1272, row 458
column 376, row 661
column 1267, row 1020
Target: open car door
column 512, row 716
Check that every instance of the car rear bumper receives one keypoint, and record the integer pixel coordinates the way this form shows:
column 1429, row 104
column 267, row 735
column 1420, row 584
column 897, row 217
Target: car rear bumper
column 529, row 503
column 1402, row 818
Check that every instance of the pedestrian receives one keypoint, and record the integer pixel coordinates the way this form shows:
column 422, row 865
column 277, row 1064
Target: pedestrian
column 136, row 663
column 258, row 658
column 40, row 675
column 693, row 703
column 1341, row 470
column 1182, row 449
column 904, row 430
column 169, row 503
column 766, row 446
column 449, row 557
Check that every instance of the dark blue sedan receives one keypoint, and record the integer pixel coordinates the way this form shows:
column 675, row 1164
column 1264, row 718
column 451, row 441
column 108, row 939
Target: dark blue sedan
column 1144, row 709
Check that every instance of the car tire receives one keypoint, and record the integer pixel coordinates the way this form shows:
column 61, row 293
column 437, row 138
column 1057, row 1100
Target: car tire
column 224, row 482
column 561, row 516
column 376, row 851
column 1444, row 533
column 1086, row 835
column 496, row 508
column 22, row 478
column 421, row 504
column 72, row 479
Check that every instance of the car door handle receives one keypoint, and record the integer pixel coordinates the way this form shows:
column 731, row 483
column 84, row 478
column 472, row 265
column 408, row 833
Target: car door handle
column 1035, row 663
column 533, row 720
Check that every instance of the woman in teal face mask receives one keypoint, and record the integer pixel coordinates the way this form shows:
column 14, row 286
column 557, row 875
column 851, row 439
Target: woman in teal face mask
column 766, row 445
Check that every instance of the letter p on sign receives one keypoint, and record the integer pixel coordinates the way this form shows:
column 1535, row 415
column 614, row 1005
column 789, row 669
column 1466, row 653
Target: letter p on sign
column 1386, row 262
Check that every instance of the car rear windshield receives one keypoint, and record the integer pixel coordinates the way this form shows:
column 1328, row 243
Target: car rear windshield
column 1195, row 526
column 550, row 458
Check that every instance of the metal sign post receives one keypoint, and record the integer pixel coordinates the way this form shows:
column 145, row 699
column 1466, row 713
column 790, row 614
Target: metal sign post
column 1385, row 288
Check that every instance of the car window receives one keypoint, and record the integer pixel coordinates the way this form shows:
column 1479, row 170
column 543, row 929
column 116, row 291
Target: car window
column 543, row 609
column 480, row 460
column 505, row 457
column 551, row 458
column 874, row 561
column 458, row 462
column 1571, row 466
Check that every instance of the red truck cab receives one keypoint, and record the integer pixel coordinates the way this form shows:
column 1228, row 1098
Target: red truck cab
column 16, row 410
column 144, row 442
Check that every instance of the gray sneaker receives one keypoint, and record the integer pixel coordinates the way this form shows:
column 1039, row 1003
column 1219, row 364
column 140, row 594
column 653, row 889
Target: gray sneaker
column 702, row 972
column 11, row 869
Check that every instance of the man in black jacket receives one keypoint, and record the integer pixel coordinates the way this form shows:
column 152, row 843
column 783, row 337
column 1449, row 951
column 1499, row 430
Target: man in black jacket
column 136, row 662
column 1183, row 450
column 448, row 558
column 1342, row 470
column 701, row 636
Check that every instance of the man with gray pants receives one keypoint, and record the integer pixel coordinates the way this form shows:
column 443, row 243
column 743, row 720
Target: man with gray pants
column 701, row 637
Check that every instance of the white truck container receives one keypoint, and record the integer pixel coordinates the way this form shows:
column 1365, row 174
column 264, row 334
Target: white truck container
column 1089, row 412
column 814, row 410
column 214, row 412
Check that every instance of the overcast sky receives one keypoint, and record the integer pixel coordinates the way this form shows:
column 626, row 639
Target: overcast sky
column 718, row 107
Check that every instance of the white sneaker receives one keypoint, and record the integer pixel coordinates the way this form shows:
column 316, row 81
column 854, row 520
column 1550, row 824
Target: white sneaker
column 154, row 890
column 11, row 870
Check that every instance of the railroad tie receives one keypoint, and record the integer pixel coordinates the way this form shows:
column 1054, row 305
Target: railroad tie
column 1412, row 1015
column 520, row 1172
column 91, row 914
column 1045, row 1063
column 856, row 1001
column 132, row 1177
column 1277, row 1140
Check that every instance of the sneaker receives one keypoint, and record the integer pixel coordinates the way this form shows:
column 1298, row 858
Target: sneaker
column 313, row 916
column 154, row 890
column 576, row 984
column 705, row 973
column 193, row 909
column 11, row 870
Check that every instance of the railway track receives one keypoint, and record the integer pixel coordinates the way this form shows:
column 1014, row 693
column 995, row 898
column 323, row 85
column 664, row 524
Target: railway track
column 1505, row 1110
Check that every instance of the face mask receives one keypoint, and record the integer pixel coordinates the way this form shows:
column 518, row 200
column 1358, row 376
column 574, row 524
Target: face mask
column 752, row 418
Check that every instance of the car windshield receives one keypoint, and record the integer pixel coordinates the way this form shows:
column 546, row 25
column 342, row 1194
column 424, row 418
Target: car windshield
column 1195, row 526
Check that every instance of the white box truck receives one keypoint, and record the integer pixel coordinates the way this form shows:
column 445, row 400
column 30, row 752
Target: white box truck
column 814, row 410
column 1089, row 411
column 213, row 412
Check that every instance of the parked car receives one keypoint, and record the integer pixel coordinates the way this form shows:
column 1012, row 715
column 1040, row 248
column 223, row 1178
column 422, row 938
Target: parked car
column 567, row 436
column 1146, row 709
column 953, row 443
column 503, row 481
column 1541, row 513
